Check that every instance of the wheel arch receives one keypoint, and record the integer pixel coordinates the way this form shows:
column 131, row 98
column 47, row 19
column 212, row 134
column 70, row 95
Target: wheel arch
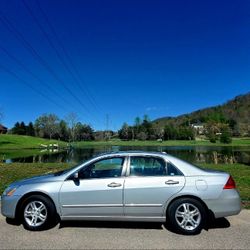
column 208, row 211
column 24, row 197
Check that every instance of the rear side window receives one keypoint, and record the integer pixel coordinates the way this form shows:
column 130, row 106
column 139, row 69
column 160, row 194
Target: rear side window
column 147, row 166
column 172, row 170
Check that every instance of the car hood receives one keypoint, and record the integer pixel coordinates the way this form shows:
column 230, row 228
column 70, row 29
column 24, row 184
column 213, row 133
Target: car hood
column 36, row 179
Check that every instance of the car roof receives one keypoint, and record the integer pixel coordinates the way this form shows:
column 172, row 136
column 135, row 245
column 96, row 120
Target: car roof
column 135, row 152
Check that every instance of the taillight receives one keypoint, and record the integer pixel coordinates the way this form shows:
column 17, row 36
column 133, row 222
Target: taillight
column 230, row 183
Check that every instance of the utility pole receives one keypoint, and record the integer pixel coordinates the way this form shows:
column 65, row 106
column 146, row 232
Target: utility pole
column 107, row 135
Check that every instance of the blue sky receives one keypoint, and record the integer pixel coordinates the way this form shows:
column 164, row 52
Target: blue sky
column 130, row 58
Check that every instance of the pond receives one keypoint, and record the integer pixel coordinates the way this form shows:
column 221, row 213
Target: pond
column 194, row 154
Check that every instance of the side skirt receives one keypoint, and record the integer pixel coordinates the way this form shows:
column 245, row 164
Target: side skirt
column 115, row 218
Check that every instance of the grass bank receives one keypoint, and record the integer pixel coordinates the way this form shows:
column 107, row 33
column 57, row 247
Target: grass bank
column 244, row 142
column 25, row 142
column 30, row 142
column 16, row 171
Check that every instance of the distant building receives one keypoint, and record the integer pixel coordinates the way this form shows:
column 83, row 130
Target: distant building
column 3, row 130
column 199, row 127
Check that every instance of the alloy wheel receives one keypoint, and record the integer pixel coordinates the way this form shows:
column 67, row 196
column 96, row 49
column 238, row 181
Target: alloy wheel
column 35, row 213
column 188, row 216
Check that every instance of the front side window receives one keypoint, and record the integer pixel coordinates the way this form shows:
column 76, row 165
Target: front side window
column 147, row 166
column 106, row 168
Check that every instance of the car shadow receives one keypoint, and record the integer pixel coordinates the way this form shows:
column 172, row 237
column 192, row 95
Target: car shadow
column 112, row 224
column 13, row 222
column 218, row 223
column 212, row 223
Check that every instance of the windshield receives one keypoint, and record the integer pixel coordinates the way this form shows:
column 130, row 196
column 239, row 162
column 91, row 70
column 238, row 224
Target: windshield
column 61, row 172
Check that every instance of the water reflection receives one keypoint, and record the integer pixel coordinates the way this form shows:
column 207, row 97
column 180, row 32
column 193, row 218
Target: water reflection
column 194, row 154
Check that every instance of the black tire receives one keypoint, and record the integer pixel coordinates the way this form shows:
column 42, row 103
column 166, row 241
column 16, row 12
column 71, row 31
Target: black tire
column 187, row 223
column 48, row 213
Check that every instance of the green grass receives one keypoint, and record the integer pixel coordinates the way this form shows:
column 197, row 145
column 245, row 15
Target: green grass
column 25, row 142
column 236, row 142
column 241, row 175
column 16, row 171
column 29, row 142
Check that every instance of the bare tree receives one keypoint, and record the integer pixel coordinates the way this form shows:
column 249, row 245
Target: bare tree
column 72, row 120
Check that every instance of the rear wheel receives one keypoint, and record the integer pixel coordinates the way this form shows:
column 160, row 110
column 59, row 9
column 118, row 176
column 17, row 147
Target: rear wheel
column 38, row 213
column 187, row 215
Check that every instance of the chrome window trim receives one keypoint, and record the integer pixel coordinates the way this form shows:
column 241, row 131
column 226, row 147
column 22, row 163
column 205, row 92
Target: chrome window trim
column 124, row 167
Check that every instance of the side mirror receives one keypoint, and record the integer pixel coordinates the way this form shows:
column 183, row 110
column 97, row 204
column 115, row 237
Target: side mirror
column 76, row 176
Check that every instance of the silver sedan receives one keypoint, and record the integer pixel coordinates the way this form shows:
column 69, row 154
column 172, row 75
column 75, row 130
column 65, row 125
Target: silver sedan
column 125, row 186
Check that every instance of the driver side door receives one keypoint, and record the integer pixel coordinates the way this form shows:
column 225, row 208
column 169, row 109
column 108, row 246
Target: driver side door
column 97, row 192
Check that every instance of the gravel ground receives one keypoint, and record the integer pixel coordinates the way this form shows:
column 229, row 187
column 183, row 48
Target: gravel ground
column 230, row 233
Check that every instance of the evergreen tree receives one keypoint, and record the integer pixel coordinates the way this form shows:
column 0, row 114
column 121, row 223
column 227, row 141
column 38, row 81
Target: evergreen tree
column 15, row 129
column 30, row 129
column 226, row 136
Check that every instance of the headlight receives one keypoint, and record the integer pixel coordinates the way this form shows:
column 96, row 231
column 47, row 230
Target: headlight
column 10, row 190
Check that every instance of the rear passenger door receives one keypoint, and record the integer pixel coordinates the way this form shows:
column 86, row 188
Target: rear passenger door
column 150, row 182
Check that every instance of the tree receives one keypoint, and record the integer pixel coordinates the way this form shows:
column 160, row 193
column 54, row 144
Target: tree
column 137, row 121
column 47, row 126
column 30, row 129
column 186, row 133
column 22, row 129
column 72, row 120
column 124, row 132
column 142, row 136
column 19, row 129
column 84, row 132
column 170, row 133
column 226, row 136
column 212, row 128
column 63, row 131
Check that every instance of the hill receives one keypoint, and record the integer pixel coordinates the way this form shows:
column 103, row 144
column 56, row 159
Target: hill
column 25, row 142
column 235, row 112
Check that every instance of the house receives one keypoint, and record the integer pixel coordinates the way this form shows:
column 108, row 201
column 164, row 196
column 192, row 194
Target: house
column 3, row 130
column 199, row 127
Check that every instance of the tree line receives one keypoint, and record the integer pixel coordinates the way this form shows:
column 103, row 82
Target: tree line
column 144, row 129
column 51, row 127
column 70, row 129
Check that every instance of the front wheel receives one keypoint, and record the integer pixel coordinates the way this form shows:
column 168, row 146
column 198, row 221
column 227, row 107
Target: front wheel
column 38, row 213
column 187, row 215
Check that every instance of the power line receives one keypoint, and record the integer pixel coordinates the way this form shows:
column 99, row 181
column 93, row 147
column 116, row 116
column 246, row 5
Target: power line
column 4, row 20
column 30, row 86
column 91, row 98
column 61, row 59
column 23, row 66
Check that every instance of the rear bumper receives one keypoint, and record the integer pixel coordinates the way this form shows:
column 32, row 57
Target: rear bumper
column 229, row 203
column 8, row 205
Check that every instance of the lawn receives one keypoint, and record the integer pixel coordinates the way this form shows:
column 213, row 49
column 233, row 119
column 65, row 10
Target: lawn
column 25, row 142
column 29, row 142
column 16, row 171
column 236, row 142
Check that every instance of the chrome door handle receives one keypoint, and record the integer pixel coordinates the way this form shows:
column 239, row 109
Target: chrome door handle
column 114, row 184
column 171, row 182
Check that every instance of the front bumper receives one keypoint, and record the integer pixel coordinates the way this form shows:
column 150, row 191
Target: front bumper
column 229, row 203
column 8, row 205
